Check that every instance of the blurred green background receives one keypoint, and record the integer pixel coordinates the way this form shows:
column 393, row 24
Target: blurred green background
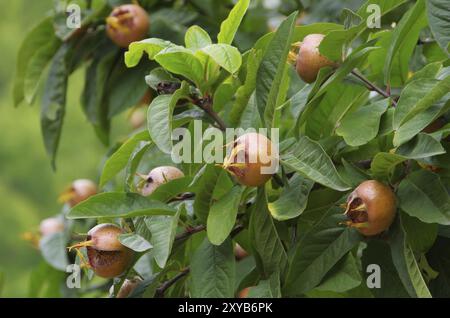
column 28, row 187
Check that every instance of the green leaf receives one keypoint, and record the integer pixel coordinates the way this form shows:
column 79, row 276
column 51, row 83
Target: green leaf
column 222, row 216
column 150, row 46
column 226, row 56
column 181, row 61
column 268, row 288
column 417, row 97
column 439, row 260
column 163, row 229
column 421, row 236
column 271, row 70
column 422, row 195
column 408, row 28
column 384, row 163
column 171, row 189
column 344, row 276
column 308, row 158
column 35, row 39
column 406, row 264
column 439, row 21
column 159, row 75
column 204, row 194
column 229, row 27
column 361, row 126
column 118, row 205
column 196, row 38
column 318, row 251
column 54, row 103
column 421, row 147
column 270, row 254
column 213, row 271
column 160, row 116
column 133, row 164
column 118, row 160
column 53, row 248
column 293, row 199
column 135, row 242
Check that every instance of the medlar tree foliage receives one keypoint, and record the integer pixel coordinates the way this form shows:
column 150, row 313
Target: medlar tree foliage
column 364, row 169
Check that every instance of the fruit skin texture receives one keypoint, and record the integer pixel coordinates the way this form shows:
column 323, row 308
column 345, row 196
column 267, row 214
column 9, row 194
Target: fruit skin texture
column 159, row 176
column 128, row 286
column 107, row 256
column 377, row 207
column 126, row 24
column 309, row 60
column 251, row 153
column 51, row 226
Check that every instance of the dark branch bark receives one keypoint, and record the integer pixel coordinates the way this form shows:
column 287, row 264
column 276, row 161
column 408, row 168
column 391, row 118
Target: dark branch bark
column 167, row 284
column 371, row 86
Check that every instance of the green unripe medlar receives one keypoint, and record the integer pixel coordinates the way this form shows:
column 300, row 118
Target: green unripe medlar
column 126, row 24
column 251, row 159
column 107, row 257
column 309, row 60
column 157, row 177
column 79, row 191
column 371, row 208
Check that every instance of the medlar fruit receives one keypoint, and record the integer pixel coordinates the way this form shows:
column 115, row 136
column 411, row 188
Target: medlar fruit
column 107, row 257
column 126, row 24
column 128, row 286
column 309, row 60
column 51, row 226
column 157, row 177
column 253, row 159
column 371, row 208
column 80, row 190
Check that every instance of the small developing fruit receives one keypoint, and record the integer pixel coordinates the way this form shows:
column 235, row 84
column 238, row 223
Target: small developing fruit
column 371, row 208
column 157, row 177
column 80, row 190
column 309, row 59
column 51, row 226
column 129, row 285
column 253, row 159
column 126, row 24
column 239, row 252
column 107, row 257
column 244, row 293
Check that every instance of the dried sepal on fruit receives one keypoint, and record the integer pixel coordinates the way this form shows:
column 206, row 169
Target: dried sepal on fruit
column 107, row 257
column 253, row 159
column 371, row 208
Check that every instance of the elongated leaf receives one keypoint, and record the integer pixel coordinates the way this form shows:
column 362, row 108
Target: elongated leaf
column 226, row 56
column 268, row 288
column 118, row 161
column 292, row 201
column 135, row 242
column 54, row 250
column 222, row 216
column 318, row 251
column 418, row 96
column 439, row 20
column 406, row 264
column 171, row 189
column 133, row 165
column 421, row 147
column 422, row 195
column 119, row 205
column 384, row 163
column 54, row 103
column 160, row 115
column 271, row 70
column 163, row 229
column 150, row 46
column 213, row 271
column 229, row 27
column 270, row 254
column 181, row 61
column 309, row 159
column 360, row 127
column 196, row 38
column 204, row 194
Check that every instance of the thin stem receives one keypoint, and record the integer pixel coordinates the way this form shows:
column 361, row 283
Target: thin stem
column 372, row 86
column 206, row 105
column 167, row 284
column 189, row 232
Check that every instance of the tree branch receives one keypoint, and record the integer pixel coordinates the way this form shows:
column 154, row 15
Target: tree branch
column 190, row 231
column 206, row 105
column 167, row 284
column 371, row 86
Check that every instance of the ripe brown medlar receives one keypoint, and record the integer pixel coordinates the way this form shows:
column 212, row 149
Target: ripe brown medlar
column 80, row 190
column 128, row 286
column 253, row 159
column 309, row 60
column 107, row 257
column 157, row 177
column 126, row 24
column 371, row 208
